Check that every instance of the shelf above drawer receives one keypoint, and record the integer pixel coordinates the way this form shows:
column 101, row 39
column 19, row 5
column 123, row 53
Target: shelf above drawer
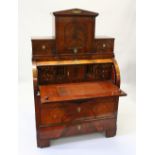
column 78, row 91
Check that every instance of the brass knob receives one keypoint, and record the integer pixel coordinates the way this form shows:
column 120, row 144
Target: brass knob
column 79, row 127
column 43, row 47
column 68, row 73
column 75, row 50
column 104, row 45
column 79, row 109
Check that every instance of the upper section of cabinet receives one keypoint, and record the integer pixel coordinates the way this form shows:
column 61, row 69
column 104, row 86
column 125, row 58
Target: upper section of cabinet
column 75, row 30
column 74, row 38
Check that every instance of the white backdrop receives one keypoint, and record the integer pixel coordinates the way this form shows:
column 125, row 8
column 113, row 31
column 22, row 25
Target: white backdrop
column 116, row 19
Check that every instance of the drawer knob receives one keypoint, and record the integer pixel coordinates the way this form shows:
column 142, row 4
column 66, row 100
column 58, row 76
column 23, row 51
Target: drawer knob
column 75, row 50
column 79, row 127
column 68, row 73
column 104, row 45
column 79, row 109
column 43, row 47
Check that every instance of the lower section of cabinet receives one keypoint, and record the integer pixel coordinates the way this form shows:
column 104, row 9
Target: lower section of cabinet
column 45, row 134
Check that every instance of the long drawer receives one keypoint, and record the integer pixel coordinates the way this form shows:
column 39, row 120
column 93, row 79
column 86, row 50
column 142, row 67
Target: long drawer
column 71, row 129
column 77, row 111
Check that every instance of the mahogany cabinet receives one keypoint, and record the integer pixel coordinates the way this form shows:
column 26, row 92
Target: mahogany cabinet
column 76, row 79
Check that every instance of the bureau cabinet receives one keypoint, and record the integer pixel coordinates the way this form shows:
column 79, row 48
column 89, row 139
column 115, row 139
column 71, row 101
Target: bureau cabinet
column 76, row 79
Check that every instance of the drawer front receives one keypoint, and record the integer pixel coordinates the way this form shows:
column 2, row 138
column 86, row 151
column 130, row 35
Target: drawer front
column 104, row 45
column 44, row 47
column 77, row 111
column 89, row 127
column 77, row 128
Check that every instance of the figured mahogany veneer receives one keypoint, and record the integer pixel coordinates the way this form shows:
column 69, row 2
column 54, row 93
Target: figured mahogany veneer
column 45, row 49
column 74, row 31
column 85, row 127
column 86, row 90
column 76, row 79
column 77, row 111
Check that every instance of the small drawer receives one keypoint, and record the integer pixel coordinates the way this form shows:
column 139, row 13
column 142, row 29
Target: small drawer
column 44, row 47
column 72, row 112
column 104, row 45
